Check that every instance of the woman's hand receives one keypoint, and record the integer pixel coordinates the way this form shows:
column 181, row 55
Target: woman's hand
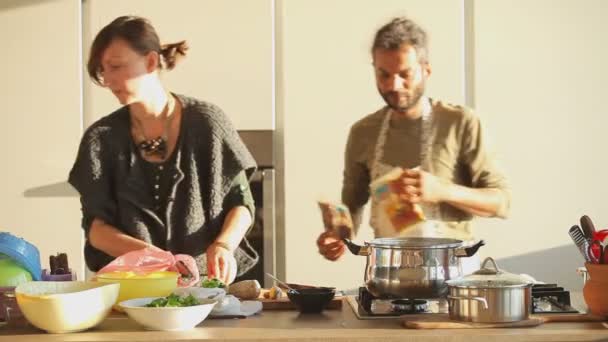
column 221, row 263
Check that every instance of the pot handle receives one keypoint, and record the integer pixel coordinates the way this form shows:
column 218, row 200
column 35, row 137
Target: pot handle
column 469, row 251
column 479, row 299
column 356, row 249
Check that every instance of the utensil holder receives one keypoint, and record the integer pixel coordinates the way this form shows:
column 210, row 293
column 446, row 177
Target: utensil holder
column 594, row 291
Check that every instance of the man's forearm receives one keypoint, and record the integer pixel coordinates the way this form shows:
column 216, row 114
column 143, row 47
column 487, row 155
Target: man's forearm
column 480, row 202
column 235, row 226
column 112, row 241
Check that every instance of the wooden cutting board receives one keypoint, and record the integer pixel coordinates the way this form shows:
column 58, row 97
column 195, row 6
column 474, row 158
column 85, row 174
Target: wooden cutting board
column 283, row 303
column 442, row 321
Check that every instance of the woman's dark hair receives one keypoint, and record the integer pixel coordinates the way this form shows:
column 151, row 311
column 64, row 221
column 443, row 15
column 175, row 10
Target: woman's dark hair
column 141, row 36
column 402, row 31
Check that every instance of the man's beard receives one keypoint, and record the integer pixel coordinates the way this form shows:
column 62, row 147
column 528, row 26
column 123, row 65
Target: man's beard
column 394, row 98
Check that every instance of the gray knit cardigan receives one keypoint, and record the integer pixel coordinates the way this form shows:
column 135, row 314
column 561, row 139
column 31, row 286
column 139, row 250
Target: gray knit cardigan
column 109, row 177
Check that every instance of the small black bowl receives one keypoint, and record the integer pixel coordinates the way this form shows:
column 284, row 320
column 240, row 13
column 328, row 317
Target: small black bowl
column 311, row 300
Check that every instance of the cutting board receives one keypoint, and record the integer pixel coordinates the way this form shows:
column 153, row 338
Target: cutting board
column 283, row 303
column 442, row 321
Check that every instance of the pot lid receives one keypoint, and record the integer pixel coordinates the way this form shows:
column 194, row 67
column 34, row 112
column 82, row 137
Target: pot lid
column 491, row 277
column 415, row 243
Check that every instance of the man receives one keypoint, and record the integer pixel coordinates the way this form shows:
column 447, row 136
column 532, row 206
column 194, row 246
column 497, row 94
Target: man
column 448, row 171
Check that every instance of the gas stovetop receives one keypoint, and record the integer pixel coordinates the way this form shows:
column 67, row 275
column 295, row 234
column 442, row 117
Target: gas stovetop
column 366, row 306
column 546, row 299
column 550, row 298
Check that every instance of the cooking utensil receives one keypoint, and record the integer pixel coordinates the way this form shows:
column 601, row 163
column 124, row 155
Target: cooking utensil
column 65, row 306
column 490, row 295
column 446, row 323
column 154, row 284
column 167, row 318
column 12, row 273
column 594, row 291
column 411, row 267
column 281, row 282
column 580, row 241
column 22, row 252
column 304, row 286
column 311, row 300
column 601, row 235
column 597, row 256
column 588, row 227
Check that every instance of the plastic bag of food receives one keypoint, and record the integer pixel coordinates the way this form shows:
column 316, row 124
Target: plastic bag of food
column 337, row 219
column 388, row 193
column 148, row 260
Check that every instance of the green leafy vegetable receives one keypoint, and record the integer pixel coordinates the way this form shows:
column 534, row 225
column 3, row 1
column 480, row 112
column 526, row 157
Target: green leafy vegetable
column 212, row 283
column 174, row 301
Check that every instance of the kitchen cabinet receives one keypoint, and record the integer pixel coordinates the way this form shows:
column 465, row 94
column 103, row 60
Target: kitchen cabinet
column 229, row 63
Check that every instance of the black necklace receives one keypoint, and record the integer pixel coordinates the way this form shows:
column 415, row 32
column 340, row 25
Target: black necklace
column 156, row 146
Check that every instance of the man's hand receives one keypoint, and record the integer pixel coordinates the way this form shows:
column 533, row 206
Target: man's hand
column 330, row 246
column 221, row 263
column 422, row 187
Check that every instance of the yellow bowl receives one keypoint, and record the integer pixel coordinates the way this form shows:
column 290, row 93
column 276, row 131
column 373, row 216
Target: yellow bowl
column 65, row 306
column 155, row 284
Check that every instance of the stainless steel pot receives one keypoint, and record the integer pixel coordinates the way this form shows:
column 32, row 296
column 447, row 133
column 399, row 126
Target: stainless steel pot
column 490, row 295
column 411, row 267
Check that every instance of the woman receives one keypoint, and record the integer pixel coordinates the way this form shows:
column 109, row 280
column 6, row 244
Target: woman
column 164, row 171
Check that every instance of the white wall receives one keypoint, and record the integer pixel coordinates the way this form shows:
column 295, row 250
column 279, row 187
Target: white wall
column 41, row 124
column 325, row 84
column 540, row 74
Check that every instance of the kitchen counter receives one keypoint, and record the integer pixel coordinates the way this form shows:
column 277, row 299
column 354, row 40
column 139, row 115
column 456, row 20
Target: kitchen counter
column 331, row 325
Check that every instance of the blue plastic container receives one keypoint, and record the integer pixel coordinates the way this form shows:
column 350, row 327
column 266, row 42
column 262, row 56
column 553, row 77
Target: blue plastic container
column 22, row 252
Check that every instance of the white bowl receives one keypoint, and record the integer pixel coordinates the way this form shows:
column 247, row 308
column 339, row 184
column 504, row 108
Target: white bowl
column 65, row 306
column 214, row 293
column 226, row 304
column 167, row 318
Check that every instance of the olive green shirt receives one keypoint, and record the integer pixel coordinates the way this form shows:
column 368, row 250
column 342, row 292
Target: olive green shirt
column 458, row 153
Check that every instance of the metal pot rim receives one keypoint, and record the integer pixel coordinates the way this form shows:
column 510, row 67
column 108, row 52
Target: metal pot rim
column 491, row 278
column 476, row 287
column 415, row 243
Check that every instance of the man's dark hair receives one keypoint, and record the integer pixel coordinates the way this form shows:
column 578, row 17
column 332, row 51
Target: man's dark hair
column 402, row 31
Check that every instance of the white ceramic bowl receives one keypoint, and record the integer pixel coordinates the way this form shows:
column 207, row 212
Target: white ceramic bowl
column 65, row 306
column 167, row 318
column 202, row 292
column 224, row 302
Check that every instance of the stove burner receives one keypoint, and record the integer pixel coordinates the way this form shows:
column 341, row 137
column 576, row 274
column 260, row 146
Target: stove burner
column 409, row 305
column 367, row 305
column 546, row 298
